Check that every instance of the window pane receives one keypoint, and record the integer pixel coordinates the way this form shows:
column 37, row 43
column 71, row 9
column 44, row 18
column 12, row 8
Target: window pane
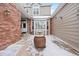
column 24, row 25
column 35, row 11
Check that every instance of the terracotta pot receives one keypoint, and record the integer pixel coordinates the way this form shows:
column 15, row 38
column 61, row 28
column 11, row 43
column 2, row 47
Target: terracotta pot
column 40, row 42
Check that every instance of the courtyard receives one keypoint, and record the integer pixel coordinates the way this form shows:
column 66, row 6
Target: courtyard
column 58, row 24
column 25, row 47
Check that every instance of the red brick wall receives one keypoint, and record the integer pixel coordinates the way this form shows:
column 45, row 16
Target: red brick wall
column 52, row 24
column 29, row 24
column 9, row 25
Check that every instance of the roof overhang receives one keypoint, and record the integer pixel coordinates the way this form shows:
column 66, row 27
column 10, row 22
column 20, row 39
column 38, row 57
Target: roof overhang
column 58, row 9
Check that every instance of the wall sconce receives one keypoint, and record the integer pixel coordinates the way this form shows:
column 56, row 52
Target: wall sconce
column 7, row 12
column 61, row 17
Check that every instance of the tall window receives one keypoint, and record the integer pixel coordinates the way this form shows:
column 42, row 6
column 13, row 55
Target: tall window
column 36, row 9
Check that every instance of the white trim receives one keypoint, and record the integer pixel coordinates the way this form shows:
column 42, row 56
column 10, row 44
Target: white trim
column 34, row 27
column 40, row 29
column 46, row 28
column 35, row 6
column 39, row 19
column 41, row 16
column 24, row 29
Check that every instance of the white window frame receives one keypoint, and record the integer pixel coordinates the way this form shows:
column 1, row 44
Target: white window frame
column 40, row 29
column 35, row 6
column 24, row 29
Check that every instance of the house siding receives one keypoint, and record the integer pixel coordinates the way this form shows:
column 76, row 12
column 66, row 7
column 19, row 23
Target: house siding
column 67, row 28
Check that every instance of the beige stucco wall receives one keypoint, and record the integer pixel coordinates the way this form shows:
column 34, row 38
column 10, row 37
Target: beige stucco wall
column 30, row 11
column 45, row 11
column 67, row 28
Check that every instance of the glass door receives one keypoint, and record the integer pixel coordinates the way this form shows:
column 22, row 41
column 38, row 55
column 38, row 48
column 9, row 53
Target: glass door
column 40, row 27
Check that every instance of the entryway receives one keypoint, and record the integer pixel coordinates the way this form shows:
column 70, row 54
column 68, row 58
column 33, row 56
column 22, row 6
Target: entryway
column 40, row 27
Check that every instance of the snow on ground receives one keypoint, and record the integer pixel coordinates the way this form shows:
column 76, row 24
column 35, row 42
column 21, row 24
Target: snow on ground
column 51, row 48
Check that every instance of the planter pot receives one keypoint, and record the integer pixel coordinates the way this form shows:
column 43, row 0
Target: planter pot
column 40, row 42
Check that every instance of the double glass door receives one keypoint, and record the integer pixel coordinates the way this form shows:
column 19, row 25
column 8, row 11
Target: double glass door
column 40, row 27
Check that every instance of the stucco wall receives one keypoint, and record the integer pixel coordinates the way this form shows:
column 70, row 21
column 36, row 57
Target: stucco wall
column 45, row 11
column 9, row 25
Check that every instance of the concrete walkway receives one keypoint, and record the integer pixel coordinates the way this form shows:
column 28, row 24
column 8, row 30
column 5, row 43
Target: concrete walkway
column 25, row 47
column 53, row 50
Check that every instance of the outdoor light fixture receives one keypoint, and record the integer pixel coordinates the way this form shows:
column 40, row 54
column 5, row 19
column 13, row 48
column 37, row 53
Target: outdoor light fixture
column 7, row 12
column 61, row 17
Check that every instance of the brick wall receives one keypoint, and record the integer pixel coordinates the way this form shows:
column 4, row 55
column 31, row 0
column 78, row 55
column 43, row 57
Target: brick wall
column 29, row 25
column 9, row 25
column 52, row 24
